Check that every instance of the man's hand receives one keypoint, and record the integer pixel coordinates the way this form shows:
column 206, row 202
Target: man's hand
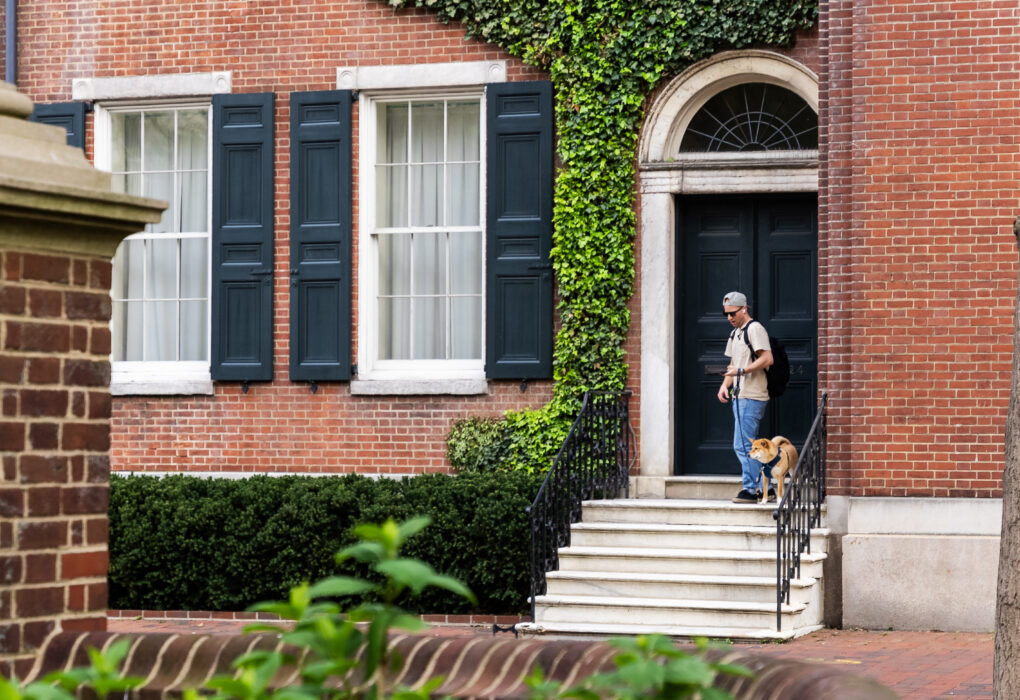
column 724, row 394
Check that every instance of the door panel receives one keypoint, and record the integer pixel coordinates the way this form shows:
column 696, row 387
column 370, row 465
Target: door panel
column 765, row 246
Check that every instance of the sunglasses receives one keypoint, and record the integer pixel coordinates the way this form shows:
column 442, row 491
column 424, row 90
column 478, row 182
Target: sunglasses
column 727, row 314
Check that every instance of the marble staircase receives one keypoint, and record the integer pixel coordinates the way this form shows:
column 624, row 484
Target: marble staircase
column 690, row 565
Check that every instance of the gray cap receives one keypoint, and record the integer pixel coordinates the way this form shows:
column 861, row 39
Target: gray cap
column 734, row 299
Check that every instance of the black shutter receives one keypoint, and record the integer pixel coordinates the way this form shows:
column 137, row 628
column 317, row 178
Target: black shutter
column 242, row 237
column 70, row 115
column 519, row 288
column 320, row 235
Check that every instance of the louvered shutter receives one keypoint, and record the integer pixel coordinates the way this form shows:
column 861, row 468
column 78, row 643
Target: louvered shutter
column 519, row 285
column 70, row 115
column 242, row 237
column 320, row 235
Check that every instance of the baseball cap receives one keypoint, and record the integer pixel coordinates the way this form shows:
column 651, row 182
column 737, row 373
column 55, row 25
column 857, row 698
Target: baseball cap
column 734, row 299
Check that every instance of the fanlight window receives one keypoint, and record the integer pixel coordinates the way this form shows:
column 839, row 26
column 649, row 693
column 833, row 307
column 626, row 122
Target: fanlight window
column 752, row 117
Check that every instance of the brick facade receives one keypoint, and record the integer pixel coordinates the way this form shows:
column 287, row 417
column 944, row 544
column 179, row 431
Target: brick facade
column 284, row 427
column 916, row 270
column 278, row 426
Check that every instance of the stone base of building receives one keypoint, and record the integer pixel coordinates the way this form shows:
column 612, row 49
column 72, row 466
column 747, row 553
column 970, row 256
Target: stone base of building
column 917, row 563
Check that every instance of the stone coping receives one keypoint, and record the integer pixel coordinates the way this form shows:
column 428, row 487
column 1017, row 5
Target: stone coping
column 51, row 197
column 473, row 667
column 434, row 618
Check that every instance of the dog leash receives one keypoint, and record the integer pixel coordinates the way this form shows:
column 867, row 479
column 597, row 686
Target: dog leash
column 734, row 394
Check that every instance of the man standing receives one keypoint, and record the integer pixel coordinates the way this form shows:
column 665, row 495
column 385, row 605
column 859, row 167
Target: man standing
column 745, row 381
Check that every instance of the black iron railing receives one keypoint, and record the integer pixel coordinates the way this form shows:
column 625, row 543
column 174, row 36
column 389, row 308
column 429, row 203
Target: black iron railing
column 800, row 510
column 593, row 463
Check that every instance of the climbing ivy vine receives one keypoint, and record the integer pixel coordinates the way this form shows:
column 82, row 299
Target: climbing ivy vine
column 603, row 57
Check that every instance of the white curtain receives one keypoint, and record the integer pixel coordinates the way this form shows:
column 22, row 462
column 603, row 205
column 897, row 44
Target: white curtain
column 429, row 282
column 193, row 189
column 160, row 286
column 128, row 278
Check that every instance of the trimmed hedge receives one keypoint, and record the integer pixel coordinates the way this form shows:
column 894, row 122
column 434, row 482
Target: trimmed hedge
column 188, row 543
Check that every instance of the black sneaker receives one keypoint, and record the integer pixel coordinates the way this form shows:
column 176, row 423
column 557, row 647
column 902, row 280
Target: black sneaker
column 772, row 495
column 745, row 496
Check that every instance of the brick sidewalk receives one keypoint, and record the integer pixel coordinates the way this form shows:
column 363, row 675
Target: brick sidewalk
column 914, row 664
column 928, row 665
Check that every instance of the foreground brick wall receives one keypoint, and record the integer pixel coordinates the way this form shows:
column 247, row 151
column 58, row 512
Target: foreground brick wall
column 59, row 225
column 54, row 431
column 917, row 278
column 470, row 667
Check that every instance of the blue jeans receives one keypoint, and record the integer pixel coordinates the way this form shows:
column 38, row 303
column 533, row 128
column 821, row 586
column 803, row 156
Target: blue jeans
column 747, row 415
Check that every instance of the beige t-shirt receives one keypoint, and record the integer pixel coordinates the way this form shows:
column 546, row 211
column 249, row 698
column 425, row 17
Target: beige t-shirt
column 755, row 384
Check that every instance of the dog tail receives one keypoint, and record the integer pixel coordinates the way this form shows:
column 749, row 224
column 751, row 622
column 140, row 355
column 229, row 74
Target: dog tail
column 789, row 446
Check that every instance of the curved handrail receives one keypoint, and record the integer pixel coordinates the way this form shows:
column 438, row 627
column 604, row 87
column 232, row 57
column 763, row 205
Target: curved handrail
column 593, row 462
column 800, row 510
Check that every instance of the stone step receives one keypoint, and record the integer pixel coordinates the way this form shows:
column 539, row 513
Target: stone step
column 707, row 562
column 681, row 512
column 753, row 537
column 699, row 565
column 666, row 612
column 590, row 630
column 752, row 589
column 716, row 488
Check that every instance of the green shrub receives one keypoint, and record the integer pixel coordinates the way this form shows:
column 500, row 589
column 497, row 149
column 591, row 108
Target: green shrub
column 188, row 543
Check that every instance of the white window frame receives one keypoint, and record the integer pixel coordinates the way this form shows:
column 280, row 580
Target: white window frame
column 407, row 80
column 370, row 366
column 152, row 377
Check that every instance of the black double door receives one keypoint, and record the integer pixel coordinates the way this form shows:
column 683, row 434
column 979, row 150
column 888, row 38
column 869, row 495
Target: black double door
column 766, row 247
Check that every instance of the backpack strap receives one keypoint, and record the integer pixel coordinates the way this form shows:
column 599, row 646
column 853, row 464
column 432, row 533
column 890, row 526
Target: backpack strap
column 747, row 332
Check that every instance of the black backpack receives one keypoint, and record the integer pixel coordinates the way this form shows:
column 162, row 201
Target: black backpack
column 778, row 375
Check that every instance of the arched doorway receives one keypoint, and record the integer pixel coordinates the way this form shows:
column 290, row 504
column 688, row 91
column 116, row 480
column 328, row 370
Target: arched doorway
column 728, row 164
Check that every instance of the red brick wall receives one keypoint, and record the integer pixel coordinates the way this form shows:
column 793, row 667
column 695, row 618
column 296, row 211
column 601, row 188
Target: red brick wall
column 284, row 427
column 283, row 47
column 54, row 433
column 919, row 188
column 3, row 42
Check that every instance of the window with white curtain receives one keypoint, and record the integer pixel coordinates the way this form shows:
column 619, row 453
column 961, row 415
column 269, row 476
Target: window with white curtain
column 161, row 276
column 426, row 234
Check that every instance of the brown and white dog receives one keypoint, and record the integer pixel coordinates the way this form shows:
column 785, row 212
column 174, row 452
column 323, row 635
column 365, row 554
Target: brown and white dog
column 779, row 454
